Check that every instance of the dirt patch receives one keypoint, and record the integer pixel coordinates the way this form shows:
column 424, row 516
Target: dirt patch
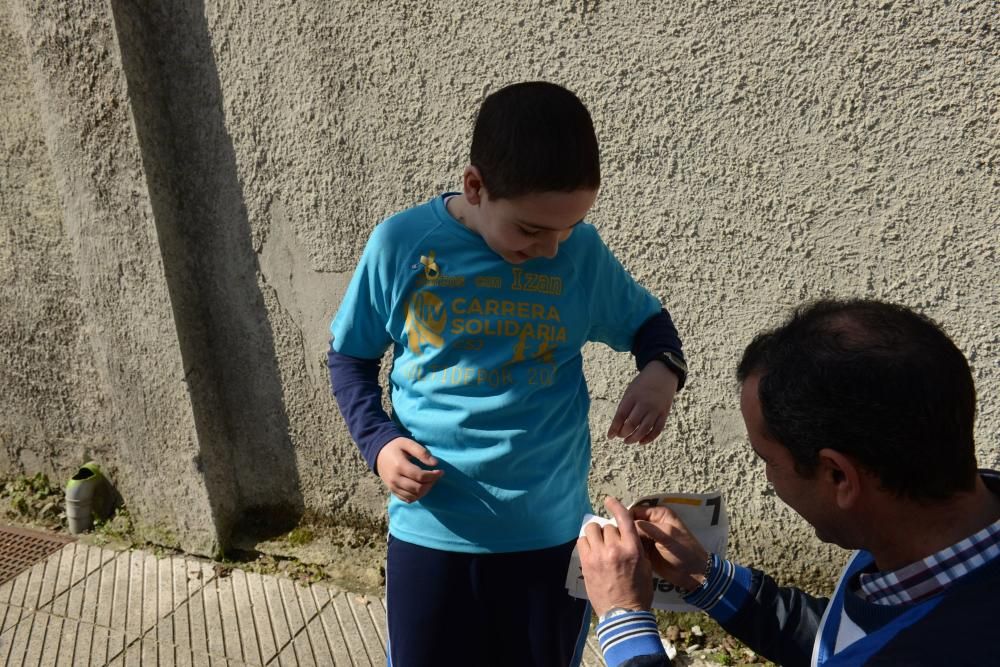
column 347, row 557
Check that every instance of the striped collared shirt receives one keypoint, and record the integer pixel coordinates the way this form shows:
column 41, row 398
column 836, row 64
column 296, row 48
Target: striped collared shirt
column 925, row 578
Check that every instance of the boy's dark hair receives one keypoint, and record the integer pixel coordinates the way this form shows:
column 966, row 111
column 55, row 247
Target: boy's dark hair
column 534, row 137
column 875, row 381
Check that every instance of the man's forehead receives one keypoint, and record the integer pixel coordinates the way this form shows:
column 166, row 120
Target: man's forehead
column 750, row 385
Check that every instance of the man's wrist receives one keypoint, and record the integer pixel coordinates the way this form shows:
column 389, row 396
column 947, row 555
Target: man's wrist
column 715, row 573
column 629, row 635
column 615, row 611
column 707, row 573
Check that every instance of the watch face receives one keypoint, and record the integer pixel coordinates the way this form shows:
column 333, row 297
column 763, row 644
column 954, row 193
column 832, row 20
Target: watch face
column 611, row 613
column 676, row 361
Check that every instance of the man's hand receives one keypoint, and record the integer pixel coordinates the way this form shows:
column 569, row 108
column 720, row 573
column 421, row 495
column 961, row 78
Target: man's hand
column 643, row 410
column 407, row 480
column 615, row 569
column 674, row 553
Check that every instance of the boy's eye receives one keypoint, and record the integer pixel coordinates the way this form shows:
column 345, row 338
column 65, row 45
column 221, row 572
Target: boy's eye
column 529, row 232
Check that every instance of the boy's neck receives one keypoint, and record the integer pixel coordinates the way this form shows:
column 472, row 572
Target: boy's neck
column 457, row 208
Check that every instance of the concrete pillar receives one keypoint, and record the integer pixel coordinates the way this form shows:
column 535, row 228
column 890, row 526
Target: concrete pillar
column 176, row 493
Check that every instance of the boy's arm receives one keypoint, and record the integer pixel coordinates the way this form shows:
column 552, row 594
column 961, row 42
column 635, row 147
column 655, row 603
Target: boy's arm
column 657, row 339
column 355, row 386
column 642, row 412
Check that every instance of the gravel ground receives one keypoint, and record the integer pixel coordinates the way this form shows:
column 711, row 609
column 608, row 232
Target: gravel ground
column 698, row 640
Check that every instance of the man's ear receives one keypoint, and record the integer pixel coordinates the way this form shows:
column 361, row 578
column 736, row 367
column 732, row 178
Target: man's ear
column 843, row 475
column 472, row 185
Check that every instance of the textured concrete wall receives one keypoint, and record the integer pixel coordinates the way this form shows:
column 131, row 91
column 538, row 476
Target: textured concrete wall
column 754, row 156
column 121, row 353
column 50, row 417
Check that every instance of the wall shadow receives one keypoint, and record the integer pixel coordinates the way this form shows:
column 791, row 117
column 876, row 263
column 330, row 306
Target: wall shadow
column 245, row 452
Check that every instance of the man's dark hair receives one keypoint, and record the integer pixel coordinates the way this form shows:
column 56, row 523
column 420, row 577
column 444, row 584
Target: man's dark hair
column 535, row 137
column 875, row 381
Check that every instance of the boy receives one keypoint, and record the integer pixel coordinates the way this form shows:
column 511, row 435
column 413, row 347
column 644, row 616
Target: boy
column 487, row 298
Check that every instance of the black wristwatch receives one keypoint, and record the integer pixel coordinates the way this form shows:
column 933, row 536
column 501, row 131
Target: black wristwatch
column 674, row 363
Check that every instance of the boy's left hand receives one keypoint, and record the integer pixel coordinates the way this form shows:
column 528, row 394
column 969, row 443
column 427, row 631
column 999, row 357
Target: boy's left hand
column 644, row 408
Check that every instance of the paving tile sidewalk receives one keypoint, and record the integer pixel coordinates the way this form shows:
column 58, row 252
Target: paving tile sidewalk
column 87, row 605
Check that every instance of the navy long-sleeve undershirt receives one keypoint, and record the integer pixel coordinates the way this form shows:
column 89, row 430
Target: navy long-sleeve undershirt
column 355, row 385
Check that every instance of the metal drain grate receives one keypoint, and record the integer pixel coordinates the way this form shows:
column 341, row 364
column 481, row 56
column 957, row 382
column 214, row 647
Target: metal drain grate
column 21, row 548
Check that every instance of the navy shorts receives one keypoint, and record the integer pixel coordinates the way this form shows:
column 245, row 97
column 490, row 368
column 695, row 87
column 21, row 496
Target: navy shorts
column 507, row 609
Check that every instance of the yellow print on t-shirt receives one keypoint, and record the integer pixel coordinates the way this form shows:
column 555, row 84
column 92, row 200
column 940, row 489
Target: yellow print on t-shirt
column 508, row 319
column 536, row 327
column 526, row 281
column 536, row 340
column 426, row 317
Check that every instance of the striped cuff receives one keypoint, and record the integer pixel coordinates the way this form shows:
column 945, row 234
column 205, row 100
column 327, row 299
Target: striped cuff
column 724, row 590
column 629, row 635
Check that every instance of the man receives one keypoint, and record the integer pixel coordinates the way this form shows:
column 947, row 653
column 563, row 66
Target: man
column 863, row 415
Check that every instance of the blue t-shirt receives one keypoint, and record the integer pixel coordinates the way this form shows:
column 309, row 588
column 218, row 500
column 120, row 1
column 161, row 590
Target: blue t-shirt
column 487, row 372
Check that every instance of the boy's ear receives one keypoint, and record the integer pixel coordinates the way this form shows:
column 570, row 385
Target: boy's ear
column 472, row 185
column 843, row 475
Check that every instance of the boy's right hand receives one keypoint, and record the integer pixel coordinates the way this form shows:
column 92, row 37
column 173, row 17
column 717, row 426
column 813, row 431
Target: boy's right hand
column 406, row 480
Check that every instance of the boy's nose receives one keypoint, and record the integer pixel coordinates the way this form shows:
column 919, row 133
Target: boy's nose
column 549, row 252
column 549, row 247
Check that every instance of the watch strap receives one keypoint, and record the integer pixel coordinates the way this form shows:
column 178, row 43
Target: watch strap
column 676, row 364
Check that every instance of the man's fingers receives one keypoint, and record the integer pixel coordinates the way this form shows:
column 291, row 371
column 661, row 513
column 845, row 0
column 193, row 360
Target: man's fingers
column 623, row 518
column 593, row 536
column 661, row 515
column 653, row 532
column 681, row 556
column 594, row 532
